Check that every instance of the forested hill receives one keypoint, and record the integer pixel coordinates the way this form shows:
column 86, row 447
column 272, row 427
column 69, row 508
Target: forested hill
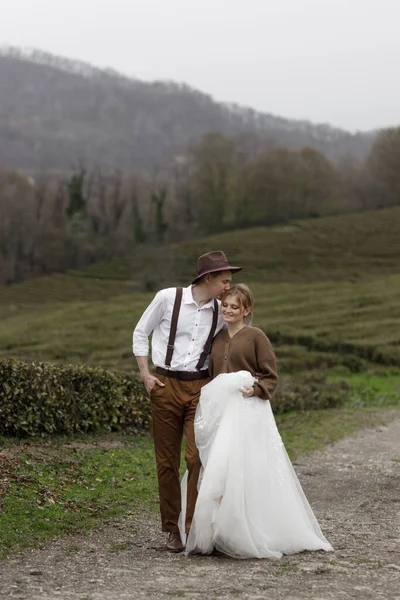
column 55, row 112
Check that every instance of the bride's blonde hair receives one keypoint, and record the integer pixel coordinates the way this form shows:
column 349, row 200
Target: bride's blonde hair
column 245, row 298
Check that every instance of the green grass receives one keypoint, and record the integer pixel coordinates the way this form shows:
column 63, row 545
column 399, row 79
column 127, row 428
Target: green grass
column 327, row 292
column 93, row 333
column 309, row 322
column 55, row 487
column 345, row 247
column 380, row 389
column 63, row 487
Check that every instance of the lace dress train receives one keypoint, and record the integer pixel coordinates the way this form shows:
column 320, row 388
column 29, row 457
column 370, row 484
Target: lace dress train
column 250, row 502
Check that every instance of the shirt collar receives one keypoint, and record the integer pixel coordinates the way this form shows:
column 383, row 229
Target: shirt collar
column 188, row 298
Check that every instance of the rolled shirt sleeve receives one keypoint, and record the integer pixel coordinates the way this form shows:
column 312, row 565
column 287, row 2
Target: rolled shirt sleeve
column 151, row 317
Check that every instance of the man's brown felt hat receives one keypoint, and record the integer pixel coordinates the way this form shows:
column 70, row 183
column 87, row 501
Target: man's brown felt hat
column 211, row 262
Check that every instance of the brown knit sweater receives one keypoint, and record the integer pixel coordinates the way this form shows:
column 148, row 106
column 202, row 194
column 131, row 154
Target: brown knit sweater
column 248, row 350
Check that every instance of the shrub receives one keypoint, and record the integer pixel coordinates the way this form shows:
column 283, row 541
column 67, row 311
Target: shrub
column 356, row 355
column 309, row 392
column 43, row 398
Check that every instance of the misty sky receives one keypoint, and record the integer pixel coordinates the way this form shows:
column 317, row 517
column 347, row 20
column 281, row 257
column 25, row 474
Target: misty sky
column 333, row 61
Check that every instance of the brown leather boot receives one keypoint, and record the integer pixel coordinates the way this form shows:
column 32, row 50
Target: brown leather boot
column 174, row 542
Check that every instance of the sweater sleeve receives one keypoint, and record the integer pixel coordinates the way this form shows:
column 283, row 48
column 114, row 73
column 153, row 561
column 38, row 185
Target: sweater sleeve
column 267, row 370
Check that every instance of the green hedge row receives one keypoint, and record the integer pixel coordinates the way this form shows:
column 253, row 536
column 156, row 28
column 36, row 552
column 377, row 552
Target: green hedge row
column 43, row 398
column 356, row 354
column 310, row 391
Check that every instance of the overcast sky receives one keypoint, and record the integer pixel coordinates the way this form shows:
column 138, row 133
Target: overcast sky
column 335, row 61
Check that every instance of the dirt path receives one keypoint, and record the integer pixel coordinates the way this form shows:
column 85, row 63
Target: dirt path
column 354, row 488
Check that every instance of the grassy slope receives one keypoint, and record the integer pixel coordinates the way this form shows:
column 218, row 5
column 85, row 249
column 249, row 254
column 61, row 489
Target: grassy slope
column 318, row 284
column 345, row 247
column 364, row 315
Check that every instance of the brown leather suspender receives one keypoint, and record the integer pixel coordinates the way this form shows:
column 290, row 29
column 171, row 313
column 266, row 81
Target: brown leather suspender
column 174, row 327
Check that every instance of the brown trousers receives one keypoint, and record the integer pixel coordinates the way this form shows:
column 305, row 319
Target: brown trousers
column 173, row 410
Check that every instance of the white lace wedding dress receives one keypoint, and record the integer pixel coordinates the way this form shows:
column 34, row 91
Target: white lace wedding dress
column 250, row 502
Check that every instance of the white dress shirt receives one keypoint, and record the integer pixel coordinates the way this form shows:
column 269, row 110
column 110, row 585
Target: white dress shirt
column 194, row 324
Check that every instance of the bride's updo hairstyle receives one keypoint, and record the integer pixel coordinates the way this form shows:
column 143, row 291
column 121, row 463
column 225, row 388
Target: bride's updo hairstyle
column 245, row 298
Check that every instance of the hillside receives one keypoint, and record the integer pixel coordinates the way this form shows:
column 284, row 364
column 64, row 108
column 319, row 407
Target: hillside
column 327, row 293
column 55, row 112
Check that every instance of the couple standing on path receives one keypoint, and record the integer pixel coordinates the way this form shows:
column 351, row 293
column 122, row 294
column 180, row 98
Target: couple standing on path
column 214, row 377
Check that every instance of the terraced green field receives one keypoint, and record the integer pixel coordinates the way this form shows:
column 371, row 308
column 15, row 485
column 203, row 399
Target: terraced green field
column 327, row 292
